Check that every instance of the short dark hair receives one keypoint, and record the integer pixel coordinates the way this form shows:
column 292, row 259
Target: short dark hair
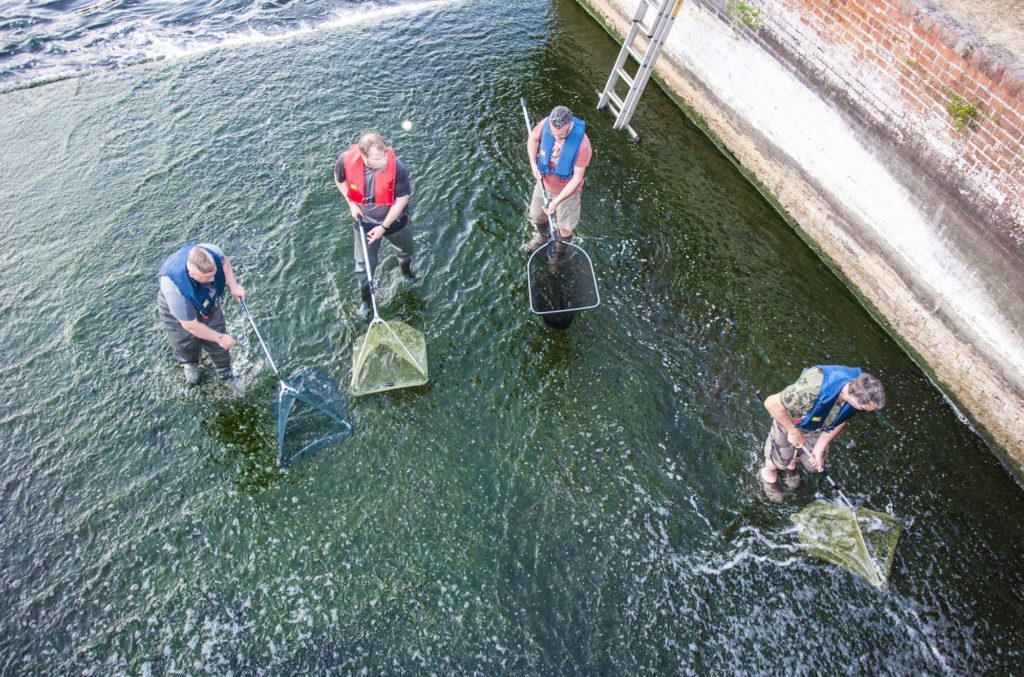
column 868, row 391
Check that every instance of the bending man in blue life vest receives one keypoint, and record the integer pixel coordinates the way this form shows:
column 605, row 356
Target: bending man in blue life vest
column 376, row 186
column 808, row 415
column 192, row 284
column 559, row 152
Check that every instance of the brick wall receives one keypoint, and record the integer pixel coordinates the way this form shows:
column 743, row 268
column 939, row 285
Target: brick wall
column 904, row 67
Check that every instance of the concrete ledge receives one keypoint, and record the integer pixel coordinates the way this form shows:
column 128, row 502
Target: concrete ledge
column 960, row 322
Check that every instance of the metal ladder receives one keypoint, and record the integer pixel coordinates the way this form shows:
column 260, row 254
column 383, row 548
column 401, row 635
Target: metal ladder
column 653, row 18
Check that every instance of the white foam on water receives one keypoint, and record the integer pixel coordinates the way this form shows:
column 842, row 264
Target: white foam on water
column 920, row 634
column 144, row 40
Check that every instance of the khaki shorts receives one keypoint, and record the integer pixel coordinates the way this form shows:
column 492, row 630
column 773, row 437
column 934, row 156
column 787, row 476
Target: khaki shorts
column 780, row 452
column 567, row 214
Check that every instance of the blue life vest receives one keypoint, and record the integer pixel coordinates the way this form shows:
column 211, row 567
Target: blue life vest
column 833, row 379
column 198, row 294
column 570, row 149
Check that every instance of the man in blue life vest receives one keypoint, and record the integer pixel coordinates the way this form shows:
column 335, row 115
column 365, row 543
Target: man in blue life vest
column 192, row 282
column 376, row 186
column 808, row 415
column 559, row 153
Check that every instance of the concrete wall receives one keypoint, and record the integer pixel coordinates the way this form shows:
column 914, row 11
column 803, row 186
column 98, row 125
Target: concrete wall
column 841, row 112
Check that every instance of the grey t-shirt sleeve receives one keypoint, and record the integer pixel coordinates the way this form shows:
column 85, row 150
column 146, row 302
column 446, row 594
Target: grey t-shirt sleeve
column 181, row 308
column 339, row 168
column 403, row 186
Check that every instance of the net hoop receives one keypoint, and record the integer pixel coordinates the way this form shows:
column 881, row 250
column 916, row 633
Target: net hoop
column 576, row 251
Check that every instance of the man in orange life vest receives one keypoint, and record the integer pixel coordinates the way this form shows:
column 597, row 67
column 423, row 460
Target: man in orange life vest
column 376, row 186
column 559, row 152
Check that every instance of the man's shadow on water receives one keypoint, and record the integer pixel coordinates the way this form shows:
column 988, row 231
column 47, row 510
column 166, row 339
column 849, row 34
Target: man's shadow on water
column 548, row 348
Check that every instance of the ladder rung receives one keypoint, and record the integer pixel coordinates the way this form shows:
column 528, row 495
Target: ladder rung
column 653, row 24
column 607, row 103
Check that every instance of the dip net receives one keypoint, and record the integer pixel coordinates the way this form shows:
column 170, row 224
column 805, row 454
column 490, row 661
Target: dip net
column 389, row 356
column 311, row 416
column 862, row 541
column 561, row 279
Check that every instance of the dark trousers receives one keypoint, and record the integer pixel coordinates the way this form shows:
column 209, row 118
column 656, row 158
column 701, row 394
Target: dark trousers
column 400, row 240
column 187, row 348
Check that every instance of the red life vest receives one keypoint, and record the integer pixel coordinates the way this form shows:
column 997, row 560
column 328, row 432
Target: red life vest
column 383, row 181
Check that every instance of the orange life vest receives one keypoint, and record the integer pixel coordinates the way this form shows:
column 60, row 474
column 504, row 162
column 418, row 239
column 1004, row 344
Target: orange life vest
column 383, row 181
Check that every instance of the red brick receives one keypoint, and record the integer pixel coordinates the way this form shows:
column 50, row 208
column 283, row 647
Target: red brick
column 926, row 56
column 981, row 137
column 881, row 62
column 884, row 11
column 969, row 89
column 888, row 9
column 996, row 73
column 984, row 160
column 922, row 34
column 907, row 8
column 983, row 81
column 969, row 155
column 990, row 158
column 1001, row 136
column 923, row 105
column 929, row 24
column 910, row 86
column 953, row 72
column 935, row 99
column 949, row 36
column 1011, row 121
column 946, row 54
column 1013, row 81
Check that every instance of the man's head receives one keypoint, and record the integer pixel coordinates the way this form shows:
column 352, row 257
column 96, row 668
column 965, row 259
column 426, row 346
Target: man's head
column 865, row 393
column 560, row 121
column 374, row 149
column 200, row 265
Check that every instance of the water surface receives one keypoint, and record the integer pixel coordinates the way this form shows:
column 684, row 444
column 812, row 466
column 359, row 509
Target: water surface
column 578, row 501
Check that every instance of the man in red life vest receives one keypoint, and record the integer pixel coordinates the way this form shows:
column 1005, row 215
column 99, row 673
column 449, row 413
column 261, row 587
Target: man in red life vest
column 808, row 415
column 559, row 152
column 376, row 186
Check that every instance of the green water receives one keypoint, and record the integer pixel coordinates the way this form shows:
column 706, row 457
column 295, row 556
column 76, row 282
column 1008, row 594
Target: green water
column 551, row 502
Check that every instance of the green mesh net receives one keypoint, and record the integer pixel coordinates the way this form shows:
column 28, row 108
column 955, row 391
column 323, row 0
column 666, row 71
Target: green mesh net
column 390, row 355
column 863, row 542
column 312, row 411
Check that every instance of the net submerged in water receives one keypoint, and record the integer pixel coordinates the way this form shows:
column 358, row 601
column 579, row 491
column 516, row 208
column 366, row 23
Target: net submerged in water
column 561, row 279
column 863, row 542
column 390, row 355
column 310, row 401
